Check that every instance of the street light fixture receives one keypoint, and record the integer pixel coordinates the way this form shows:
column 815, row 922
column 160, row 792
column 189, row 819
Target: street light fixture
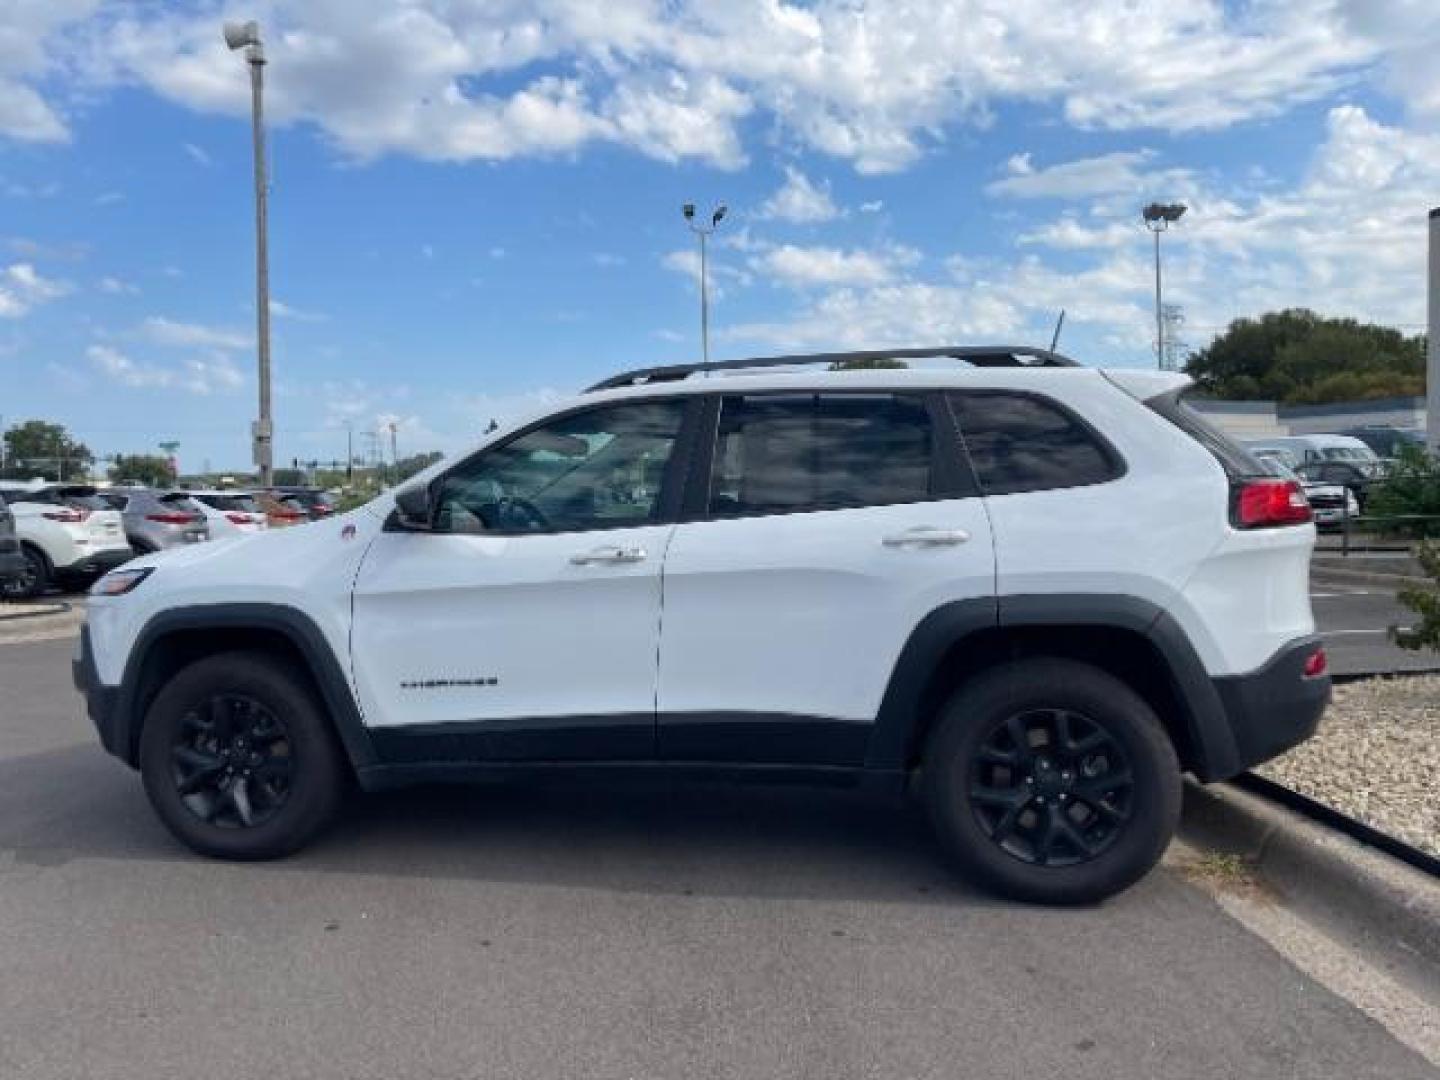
column 703, row 232
column 1158, row 217
column 247, row 36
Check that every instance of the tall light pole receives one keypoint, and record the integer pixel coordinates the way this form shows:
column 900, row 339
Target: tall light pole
column 1158, row 217
column 703, row 232
column 247, row 36
column 1432, row 358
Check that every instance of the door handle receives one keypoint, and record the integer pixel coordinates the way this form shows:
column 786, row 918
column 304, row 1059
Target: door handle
column 926, row 536
column 608, row 554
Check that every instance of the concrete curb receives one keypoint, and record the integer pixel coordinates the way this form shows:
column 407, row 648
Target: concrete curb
column 1362, row 897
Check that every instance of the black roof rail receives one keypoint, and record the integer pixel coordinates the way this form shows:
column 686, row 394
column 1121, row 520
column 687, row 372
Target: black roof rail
column 974, row 355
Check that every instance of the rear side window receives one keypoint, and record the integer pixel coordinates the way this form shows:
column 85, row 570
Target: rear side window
column 779, row 454
column 1023, row 442
column 1237, row 462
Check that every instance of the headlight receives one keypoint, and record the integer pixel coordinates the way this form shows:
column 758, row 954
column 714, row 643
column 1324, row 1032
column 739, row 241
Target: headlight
column 120, row 582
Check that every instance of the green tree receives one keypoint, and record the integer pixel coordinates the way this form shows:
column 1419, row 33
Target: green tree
column 38, row 448
column 1298, row 357
column 150, row 469
column 409, row 466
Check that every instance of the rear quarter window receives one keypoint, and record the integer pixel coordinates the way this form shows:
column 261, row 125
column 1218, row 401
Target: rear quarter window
column 1237, row 462
column 1025, row 442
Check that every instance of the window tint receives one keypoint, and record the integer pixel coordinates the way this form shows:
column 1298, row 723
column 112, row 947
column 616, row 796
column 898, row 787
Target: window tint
column 790, row 453
column 1018, row 442
column 597, row 469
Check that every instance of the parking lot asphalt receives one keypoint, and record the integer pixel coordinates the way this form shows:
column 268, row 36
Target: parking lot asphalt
column 596, row 932
column 1354, row 621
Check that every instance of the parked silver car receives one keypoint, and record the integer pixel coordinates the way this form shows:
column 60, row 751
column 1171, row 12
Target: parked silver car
column 155, row 521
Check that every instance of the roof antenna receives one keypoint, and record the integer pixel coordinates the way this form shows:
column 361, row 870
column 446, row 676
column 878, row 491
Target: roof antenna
column 1055, row 338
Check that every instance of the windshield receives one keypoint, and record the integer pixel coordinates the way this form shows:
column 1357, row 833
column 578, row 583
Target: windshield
column 1348, row 453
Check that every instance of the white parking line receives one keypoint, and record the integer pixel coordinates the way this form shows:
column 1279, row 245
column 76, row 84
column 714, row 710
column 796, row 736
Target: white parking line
column 1339, row 595
column 1338, row 633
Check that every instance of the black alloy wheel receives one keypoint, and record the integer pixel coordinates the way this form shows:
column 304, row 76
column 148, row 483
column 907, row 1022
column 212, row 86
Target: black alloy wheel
column 232, row 762
column 1052, row 781
column 238, row 757
column 1051, row 787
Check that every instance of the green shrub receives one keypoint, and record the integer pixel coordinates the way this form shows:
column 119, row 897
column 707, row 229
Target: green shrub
column 1412, row 489
column 1424, row 600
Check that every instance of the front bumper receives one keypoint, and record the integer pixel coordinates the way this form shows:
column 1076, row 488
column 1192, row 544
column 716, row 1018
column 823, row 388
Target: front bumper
column 1275, row 707
column 101, row 701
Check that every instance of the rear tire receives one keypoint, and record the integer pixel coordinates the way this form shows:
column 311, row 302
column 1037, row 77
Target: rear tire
column 1051, row 781
column 238, row 759
column 34, row 581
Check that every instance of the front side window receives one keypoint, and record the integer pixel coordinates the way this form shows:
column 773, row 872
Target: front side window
column 791, row 453
column 598, row 469
column 1019, row 442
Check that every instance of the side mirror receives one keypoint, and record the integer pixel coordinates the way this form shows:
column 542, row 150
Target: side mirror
column 413, row 507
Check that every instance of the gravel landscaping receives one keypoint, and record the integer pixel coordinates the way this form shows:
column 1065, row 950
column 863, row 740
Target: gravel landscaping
column 1376, row 758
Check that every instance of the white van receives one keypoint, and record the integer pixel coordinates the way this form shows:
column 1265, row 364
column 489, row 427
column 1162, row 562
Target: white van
column 1306, row 449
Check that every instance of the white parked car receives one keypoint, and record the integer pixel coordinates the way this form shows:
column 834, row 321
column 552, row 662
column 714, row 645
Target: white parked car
column 68, row 535
column 230, row 514
column 1034, row 592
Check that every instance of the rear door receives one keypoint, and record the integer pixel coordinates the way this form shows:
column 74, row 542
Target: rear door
column 825, row 527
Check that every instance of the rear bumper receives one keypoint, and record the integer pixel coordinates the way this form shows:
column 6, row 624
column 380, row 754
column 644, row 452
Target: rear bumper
column 1276, row 706
column 101, row 701
column 96, row 562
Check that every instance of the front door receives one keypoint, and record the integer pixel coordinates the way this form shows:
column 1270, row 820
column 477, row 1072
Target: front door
column 525, row 625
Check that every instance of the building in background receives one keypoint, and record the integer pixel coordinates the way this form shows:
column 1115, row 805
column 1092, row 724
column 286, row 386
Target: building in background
column 1266, row 419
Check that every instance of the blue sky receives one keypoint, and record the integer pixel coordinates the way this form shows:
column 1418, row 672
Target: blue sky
column 475, row 206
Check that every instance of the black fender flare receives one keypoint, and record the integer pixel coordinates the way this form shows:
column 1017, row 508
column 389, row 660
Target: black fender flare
column 296, row 627
column 1206, row 722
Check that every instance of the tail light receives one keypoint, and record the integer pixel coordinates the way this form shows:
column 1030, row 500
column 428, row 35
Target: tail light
column 240, row 519
column 1316, row 664
column 172, row 519
column 70, row 516
column 287, row 515
column 1268, row 503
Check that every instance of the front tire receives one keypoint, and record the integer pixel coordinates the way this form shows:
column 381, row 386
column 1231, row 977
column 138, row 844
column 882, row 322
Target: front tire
column 1051, row 781
column 238, row 760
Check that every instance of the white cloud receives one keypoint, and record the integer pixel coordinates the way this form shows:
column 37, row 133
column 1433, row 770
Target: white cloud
column 163, row 331
column 109, row 198
column 810, row 266
column 29, row 52
column 23, row 288
column 799, row 200
column 874, row 206
column 281, row 310
column 1348, row 239
column 870, row 84
column 113, row 286
column 198, row 154
column 686, row 261
column 201, row 376
column 607, row 259
column 1103, row 175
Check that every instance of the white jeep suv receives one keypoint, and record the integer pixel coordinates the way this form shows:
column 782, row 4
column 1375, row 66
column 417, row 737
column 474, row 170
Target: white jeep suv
column 1037, row 591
